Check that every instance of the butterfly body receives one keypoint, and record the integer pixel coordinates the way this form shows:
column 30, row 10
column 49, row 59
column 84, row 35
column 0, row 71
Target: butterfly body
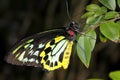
column 49, row 50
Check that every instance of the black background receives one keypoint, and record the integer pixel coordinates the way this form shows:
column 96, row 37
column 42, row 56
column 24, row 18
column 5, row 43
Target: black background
column 21, row 18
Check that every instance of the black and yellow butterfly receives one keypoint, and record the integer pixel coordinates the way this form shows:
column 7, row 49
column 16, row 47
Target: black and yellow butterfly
column 50, row 49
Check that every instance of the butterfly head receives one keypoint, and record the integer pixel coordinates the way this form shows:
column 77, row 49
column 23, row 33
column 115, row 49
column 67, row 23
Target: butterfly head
column 73, row 28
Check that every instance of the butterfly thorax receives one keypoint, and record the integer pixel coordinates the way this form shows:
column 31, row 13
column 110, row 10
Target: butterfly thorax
column 72, row 29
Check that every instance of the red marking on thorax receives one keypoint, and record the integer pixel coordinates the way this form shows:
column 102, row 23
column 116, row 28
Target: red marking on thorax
column 71, row 32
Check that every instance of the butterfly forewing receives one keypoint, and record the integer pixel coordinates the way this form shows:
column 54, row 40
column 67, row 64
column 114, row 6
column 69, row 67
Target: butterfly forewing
column 50, row 50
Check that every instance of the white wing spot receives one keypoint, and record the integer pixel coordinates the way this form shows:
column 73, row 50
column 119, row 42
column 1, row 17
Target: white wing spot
column 25, row 59
column 37, row 61
column 31, row 46
column 40, row 45
column 31, row 60
column 59, row 48
column 36, row 53
column 31, row 52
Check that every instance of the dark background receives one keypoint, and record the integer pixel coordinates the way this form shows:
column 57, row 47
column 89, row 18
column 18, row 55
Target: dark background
column 21, row 18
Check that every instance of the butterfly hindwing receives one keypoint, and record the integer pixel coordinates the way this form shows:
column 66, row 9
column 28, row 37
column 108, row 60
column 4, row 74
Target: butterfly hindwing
column 56, row 55
column 50, row 50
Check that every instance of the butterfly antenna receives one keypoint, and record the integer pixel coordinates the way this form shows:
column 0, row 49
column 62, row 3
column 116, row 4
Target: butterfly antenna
column 66, row 2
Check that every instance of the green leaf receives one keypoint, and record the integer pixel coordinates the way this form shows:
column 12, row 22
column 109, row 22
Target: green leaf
column 87, row 14
column 111, row 14
column 93, row 20
column 102, row 38
column 110, row 4
column 90, row 19
column 96, row 10
column 85, row 46
column 101, row 11
column 92, row 7
column 115, row 75
column 118, row 2
column 110, row 30
column 118, row 22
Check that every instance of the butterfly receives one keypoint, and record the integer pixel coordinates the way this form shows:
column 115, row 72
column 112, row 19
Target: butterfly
column 49, row 50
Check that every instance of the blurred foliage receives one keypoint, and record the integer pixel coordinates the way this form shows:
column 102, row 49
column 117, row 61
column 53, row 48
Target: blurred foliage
column 114, row 75
column 106, row 18
column 21, row 18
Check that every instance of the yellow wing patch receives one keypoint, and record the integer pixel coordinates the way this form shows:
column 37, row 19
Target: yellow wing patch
column 67, row 54
column 17, row 49
column 53, row 60
column 57, row 39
